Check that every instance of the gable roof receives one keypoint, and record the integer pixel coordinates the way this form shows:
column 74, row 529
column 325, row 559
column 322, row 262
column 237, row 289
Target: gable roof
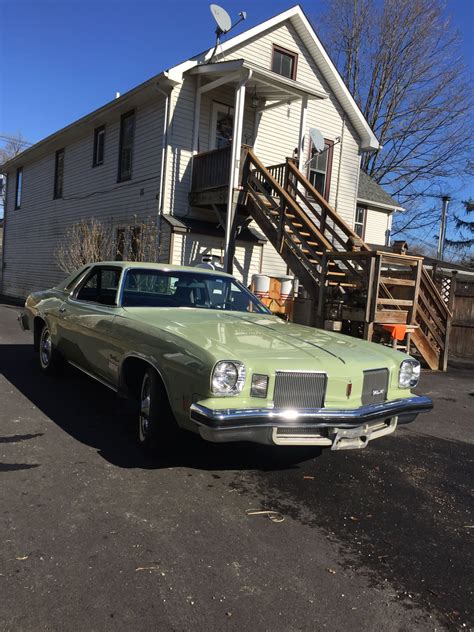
column 304, row 29
column 371, row 192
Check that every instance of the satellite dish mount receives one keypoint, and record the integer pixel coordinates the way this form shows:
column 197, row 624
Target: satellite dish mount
column 224, row 24
column 319, row 146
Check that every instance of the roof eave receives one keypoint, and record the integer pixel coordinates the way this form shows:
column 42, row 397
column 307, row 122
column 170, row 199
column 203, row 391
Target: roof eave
column 382, row 205
column 117, row 103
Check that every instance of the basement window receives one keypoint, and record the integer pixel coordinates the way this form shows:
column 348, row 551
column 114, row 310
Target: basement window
column 19, row 187
column 99, row 146
column 284, row 62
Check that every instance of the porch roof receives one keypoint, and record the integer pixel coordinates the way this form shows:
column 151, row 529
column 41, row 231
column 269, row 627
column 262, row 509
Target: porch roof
column 269, row 84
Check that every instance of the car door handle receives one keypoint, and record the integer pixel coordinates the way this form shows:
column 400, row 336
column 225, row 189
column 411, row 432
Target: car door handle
column 62, row 310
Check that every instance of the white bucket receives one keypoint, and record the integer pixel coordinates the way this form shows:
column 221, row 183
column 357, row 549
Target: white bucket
column 286, row 286
column 261, row 285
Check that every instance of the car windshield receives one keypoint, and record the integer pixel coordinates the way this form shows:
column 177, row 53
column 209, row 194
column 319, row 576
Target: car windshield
column 159, row 288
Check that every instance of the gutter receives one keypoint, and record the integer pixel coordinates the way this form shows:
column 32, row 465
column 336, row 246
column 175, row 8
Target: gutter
column 388, row 207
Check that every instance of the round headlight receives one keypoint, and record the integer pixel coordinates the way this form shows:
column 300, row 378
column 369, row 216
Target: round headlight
column 409, row 374
column 228, row 378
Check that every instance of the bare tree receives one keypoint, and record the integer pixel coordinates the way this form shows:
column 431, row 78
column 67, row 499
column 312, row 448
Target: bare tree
column 401, row 61
column 91, row 240
column 12, row 146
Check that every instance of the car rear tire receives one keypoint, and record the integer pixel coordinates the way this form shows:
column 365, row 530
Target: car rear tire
column 157, row 428
column 49, row 358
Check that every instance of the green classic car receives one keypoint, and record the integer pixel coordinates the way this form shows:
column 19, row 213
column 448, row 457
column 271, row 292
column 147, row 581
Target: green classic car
column 197, row 351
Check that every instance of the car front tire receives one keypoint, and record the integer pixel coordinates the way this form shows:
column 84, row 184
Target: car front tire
column 49, row 358
column 157, row 428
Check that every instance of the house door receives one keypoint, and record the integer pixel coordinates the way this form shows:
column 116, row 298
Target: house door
column 222, row 125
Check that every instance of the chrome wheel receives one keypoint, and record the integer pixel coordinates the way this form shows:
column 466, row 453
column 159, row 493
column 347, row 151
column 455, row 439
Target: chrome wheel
column 145, row 406
column 45, row 348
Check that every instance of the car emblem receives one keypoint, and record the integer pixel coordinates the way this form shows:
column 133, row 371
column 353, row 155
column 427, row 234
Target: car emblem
column 377, row 391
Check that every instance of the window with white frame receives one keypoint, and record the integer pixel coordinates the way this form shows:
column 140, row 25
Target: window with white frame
column 359, row 221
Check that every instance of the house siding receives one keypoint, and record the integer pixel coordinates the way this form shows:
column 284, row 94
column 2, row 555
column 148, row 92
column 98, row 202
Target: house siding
column 377, row 224
column 35, row 230
column 189, row 248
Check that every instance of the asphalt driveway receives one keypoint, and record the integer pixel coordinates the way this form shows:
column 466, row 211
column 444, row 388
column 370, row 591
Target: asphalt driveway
column 95, row 536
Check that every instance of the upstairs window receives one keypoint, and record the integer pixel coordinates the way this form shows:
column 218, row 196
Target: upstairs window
column 99, row 146
column 127, row 134
column 284, row 62
column 19, row 187
column 59, row 174
column 359, row 221
column 319, row 168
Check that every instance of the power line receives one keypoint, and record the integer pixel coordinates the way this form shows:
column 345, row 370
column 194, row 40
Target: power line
column 12, row 139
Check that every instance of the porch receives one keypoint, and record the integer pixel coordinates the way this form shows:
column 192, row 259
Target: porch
column 230, row 105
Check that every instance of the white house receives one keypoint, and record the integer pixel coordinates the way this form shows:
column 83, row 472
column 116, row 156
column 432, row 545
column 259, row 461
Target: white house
column 142, row 154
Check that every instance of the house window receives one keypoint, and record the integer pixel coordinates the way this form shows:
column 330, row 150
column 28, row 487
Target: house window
column 222, row 125
column 99, row 146
column 319, row 169
column 127, row 133
column 19, row 187
column 284, row 62
column 59, row 174
column 359, row 221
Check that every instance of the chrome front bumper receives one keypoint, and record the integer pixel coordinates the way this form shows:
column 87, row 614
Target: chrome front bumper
column 338, row 428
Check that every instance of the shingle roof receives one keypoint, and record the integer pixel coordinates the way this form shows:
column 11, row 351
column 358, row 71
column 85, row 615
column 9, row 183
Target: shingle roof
column 370, row 191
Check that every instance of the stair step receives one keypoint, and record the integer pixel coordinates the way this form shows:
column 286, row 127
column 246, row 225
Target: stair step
column 336, row 283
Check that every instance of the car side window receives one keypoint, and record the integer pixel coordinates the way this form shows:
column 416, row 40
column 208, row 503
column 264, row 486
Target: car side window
column 100, row 286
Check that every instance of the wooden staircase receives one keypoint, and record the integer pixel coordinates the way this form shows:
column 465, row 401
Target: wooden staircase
column 330, row 259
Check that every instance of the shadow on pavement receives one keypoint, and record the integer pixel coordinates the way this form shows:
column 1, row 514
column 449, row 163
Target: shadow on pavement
column 95, row 416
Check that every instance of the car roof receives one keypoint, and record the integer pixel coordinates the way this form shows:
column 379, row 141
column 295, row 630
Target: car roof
column 160, row 266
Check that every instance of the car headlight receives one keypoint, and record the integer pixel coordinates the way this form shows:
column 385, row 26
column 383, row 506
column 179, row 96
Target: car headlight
column 409, row 374
column 228, row 378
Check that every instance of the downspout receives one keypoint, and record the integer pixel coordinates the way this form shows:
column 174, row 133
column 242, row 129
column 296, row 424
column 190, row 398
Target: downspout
column 5, row 213
column 336, row 202
column 164, row 158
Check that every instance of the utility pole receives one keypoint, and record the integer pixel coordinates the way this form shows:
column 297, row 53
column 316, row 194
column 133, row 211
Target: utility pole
column 442, row 227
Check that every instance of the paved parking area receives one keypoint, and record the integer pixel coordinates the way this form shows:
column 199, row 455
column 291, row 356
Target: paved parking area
column 95, row 536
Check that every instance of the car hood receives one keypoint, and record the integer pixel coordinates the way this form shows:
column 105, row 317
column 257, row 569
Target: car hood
column 247, row 336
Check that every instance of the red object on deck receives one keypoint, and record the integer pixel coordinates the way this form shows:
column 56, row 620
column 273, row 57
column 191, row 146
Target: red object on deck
column 396, row 331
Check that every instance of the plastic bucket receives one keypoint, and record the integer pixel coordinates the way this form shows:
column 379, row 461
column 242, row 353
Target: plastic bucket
column 261, row 285
column 286, row 286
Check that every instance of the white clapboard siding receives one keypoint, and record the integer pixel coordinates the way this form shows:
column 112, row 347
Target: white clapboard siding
column 189, row 249
column 377, row 224
column 35, row 230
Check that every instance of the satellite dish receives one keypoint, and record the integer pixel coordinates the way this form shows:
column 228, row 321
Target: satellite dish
column 222, row 18
column 317, row 139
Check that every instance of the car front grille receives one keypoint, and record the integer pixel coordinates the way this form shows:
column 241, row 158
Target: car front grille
column 299, row 389
column 374, row 389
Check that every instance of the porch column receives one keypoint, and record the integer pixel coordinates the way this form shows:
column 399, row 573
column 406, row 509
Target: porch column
column 239, row 106
column 197, row 115
column 303, row 114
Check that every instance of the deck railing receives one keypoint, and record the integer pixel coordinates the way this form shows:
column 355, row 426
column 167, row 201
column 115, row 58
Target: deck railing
column 211, row 169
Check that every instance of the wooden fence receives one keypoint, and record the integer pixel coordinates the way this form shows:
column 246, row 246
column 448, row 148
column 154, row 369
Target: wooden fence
column 461, row 340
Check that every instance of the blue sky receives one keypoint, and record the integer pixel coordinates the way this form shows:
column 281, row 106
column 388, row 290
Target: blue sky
column 63, row 58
